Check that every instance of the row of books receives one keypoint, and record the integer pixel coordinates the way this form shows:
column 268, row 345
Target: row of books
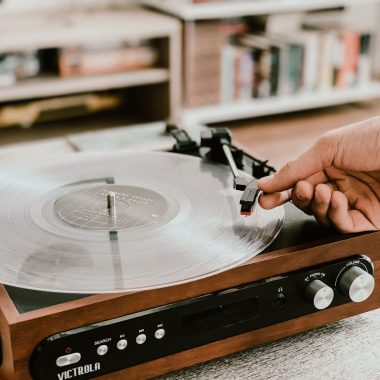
column 78, row 61
column 259, row 66
column 103, row 60
column 18, row 66
column 257, row 57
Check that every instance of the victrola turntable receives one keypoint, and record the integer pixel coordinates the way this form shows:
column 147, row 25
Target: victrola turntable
column 130, row 265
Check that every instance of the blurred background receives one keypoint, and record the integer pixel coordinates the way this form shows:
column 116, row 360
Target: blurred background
column 95, row 75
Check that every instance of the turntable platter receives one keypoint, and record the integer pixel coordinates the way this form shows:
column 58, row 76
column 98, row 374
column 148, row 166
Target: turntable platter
column 91, row 223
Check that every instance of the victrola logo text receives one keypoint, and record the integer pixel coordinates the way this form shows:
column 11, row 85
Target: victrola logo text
column 78, row 371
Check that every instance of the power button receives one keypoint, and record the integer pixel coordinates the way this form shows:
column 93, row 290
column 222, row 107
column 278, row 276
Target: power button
column 65, row 360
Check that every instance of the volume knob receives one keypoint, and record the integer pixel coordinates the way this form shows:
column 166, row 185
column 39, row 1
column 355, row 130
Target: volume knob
column 356, row 283
column 320, row 294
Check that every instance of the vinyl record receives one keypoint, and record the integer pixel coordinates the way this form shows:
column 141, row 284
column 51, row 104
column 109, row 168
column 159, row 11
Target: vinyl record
column 175, row 219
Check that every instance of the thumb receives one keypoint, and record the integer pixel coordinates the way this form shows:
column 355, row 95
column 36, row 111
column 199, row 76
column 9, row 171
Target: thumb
column 320, row 156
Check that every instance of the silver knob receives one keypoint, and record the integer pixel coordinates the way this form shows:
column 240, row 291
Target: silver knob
column 320, row 294
column 356, row 283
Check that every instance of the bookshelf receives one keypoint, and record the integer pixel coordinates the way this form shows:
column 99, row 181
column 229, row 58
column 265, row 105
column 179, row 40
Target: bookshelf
column 188, row 11
column 127, row 24
column 202, row 20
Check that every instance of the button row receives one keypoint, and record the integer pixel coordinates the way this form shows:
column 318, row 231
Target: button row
column 123, row 343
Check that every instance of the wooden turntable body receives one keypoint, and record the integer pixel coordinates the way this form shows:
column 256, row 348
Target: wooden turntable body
column 302, row 244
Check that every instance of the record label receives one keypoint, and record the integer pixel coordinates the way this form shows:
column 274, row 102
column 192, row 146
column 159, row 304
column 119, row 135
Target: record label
column 87, row 208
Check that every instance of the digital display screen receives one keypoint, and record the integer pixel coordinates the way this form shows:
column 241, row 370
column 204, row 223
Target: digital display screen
column 221, row 316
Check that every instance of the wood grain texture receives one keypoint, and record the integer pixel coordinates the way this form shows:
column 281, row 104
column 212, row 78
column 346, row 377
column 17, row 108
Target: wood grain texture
column 28, row 329
column 8, row 313
column 258, row 337
column 284, row 137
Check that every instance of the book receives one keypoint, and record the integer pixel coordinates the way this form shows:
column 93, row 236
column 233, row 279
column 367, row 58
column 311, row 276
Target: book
column 326, row 78
column 227, row 73
column 346, row 56
column 262, row 51
column 18, row 66
column 347, row 73
column 7, row 79
column 365, row 63
column 310, row 61
column 78, row 61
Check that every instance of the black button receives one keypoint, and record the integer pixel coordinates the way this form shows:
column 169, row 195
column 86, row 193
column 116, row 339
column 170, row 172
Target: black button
column 279, row 300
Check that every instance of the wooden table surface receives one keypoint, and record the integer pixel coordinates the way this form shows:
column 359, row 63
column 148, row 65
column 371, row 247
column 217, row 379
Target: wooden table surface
column 283, row 137
column 276, row 138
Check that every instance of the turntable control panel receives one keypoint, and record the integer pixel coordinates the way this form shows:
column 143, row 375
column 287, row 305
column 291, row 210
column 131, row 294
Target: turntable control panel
column 108, row 346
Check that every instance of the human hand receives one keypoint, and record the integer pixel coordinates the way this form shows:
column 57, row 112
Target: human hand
column 337, row 179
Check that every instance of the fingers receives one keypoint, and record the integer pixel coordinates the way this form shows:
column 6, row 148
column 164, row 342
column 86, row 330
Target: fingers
column 320, row 156
column 330, row 207
column 314, row 200
column 321, row 203
column 302, row 195
column 319, row 177
column 269, row 201
column 338, row 213
column 346, row 220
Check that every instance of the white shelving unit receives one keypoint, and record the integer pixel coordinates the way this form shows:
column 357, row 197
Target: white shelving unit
column 202, row 11
column 277, row 105
column 43, row 30
column 190, row 12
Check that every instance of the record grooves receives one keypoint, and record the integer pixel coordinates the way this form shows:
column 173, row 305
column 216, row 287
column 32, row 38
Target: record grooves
column 122, row 222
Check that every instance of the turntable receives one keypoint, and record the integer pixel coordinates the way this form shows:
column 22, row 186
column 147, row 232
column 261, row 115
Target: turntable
column 129, row 265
